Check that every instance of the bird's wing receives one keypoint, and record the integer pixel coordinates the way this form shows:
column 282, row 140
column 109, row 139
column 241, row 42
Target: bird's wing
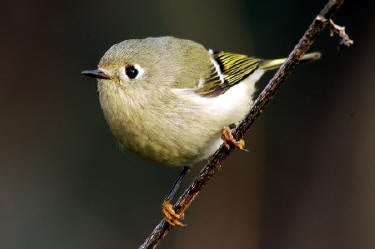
column 227, row 70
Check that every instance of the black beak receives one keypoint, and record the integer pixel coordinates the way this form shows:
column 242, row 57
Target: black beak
column 96, row 74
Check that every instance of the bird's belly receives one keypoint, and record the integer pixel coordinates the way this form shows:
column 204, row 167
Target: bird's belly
column 166, row 137
column 183, row 147
column 179, row 133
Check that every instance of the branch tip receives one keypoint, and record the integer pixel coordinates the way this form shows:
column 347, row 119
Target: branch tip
column 340, row 31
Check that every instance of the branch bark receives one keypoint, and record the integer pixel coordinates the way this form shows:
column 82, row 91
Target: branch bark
column 210, row 169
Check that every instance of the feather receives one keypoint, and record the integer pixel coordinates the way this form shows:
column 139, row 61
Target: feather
column 228, row 69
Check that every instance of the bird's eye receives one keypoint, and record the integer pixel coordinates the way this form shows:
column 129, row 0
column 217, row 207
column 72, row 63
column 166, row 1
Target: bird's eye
column 131, row 72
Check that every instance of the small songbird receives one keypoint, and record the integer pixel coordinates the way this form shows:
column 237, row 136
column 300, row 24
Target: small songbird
column 171, row 100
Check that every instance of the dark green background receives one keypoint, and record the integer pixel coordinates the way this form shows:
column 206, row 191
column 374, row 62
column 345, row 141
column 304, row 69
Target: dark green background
column 307, row 182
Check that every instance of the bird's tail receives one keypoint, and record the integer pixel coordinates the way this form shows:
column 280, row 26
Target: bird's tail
column 273, row 64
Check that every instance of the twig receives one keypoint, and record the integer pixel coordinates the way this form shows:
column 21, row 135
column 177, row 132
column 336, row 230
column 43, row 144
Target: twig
column 340, row 31
column 316, row 27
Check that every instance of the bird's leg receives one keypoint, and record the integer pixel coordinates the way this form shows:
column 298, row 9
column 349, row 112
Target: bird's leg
column 168, row 211
column 228, row 139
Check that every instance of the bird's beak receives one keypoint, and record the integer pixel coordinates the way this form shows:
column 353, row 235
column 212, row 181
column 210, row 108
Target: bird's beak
column 96, row 73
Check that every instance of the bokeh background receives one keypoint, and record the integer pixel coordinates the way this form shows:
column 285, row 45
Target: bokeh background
column 307, row 182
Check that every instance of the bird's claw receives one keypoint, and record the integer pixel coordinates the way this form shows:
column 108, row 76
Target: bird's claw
column 228, row 139
column 170, row 214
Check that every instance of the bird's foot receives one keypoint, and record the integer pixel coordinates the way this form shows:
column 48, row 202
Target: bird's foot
column 170, row 214
column 227, row 137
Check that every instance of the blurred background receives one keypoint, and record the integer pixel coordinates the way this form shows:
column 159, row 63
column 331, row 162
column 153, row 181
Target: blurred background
column 307, row 182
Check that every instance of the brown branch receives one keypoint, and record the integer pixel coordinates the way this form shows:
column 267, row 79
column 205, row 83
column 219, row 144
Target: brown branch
column 316, row 27
column 340, row 31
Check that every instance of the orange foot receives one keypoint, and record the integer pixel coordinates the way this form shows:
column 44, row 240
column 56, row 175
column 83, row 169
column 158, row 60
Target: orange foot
column 170, row 215
column 229, row 140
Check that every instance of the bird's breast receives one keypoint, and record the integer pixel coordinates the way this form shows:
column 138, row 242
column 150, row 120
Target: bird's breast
column 160, row 129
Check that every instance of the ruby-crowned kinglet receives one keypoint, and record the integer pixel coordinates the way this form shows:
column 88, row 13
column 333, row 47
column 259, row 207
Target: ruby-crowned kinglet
column 168, row 99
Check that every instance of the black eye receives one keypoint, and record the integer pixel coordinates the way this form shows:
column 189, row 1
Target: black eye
column 131, row 72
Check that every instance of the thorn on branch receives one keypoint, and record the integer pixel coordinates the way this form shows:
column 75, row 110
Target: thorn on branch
column 336, row 30
column 340, row 31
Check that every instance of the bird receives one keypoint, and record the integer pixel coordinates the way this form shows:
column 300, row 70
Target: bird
column 172, row 101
